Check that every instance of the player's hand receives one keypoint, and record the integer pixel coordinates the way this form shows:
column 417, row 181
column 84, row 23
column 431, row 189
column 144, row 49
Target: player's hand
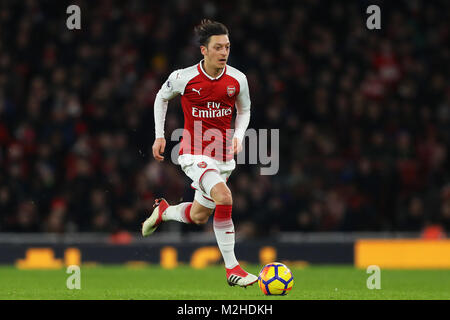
column 237, row 146
column 158, row 149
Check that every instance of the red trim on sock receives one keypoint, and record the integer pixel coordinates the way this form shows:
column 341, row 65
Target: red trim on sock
column 223, row 212
column 187, row 213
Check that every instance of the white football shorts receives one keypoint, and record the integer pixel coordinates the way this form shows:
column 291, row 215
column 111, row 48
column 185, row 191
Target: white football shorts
column 195, row 166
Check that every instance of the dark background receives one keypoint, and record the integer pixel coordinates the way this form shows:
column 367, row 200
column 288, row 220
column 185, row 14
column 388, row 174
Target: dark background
column 364, row 115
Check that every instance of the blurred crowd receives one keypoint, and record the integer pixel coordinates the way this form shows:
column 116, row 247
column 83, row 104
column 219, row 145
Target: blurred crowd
column 364, row 115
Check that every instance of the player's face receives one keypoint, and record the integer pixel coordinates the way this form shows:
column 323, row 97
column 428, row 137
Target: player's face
column 217, row 52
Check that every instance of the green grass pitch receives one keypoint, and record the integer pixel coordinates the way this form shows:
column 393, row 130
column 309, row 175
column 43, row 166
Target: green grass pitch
column 185, row 283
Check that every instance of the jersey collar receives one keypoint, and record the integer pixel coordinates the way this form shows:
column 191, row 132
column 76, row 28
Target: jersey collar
column 207, row 75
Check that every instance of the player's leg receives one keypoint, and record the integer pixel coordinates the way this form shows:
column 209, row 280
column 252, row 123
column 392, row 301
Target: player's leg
column 196, row 212
column 199, row 214
column 223, row 224
column 224, row 229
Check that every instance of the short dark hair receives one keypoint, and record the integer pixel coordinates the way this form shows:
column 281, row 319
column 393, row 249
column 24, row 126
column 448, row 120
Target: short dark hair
column 208, row 28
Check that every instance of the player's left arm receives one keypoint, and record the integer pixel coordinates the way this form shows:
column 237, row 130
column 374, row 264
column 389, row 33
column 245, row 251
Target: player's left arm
column 242, row 115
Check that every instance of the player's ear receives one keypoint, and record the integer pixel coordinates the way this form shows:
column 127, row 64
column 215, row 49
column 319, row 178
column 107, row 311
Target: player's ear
column 203, row 50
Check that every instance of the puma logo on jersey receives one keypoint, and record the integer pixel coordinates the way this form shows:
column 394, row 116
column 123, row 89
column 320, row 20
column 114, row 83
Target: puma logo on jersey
column 198, row 91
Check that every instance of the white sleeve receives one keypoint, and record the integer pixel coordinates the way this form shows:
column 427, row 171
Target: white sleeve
column 167, row 92
column 243, row 111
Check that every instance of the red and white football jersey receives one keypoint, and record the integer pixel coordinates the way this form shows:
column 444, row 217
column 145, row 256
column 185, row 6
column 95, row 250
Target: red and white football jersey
column 208, row 104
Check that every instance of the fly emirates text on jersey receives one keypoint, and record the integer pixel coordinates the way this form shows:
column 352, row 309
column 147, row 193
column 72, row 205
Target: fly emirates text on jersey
column 213, row 111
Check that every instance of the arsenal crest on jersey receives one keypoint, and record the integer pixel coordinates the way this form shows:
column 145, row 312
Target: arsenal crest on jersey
column 231, row 90
column 202, row 164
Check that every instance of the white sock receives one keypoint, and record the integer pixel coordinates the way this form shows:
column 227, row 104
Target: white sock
column 177, row 213
column 224, row 231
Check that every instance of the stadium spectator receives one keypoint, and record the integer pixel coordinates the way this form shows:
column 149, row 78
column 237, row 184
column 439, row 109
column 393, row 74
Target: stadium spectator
column 363, row 115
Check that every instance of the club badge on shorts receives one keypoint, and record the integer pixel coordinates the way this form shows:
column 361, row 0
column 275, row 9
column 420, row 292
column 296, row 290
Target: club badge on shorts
column 231, row 90
column 202, row 165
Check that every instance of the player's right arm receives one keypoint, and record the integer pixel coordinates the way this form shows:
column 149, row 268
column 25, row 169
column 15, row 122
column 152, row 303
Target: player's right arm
column 168, row 91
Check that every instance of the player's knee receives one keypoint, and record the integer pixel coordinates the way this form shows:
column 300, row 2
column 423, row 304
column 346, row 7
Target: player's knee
column 223, row 197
